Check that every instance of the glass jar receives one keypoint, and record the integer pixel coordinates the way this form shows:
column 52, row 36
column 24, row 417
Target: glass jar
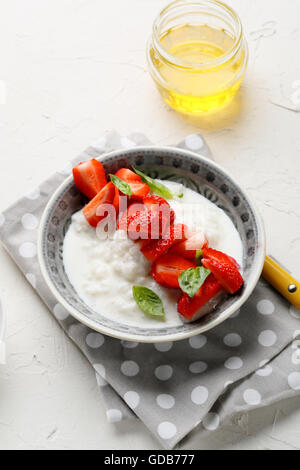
column 197, row 55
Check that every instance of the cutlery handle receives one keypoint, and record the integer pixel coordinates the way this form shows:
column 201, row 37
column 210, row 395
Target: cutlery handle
column 282, row 281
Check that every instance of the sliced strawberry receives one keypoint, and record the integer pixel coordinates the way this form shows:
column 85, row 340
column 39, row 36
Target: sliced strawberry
column 143, row 243
column 147, row 224
column 141, row 222
column 188, row 248
column 116, row 201
column 138, row 188
column 138, row 222
column 153, row 202
column 127, row 175
column 156, row 248
column 234, row 262
column 127, row 217
column 166, row 269
column 224, row 269
column 188, row 306
column 105, row 196
column 89, row 177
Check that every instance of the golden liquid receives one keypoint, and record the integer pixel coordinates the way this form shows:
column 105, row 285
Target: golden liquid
column 198, row 90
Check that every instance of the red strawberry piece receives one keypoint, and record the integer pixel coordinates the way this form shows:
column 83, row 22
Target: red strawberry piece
column 223, row 268
column 143, row 243
column 166, row 269
column 116, row 201
column 138, row 222
column 128, row 216
column 92, row 211
column 234, row 262
column 188, row 248
column 138, row 188
column 146, row 221
column 188, row 306
column 145, row 225
column 127, row 175
column 174, row 234
column 89, row 177
column 153, row 202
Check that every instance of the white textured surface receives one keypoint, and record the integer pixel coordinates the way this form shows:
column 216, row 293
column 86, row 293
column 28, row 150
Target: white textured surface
column 74, row 69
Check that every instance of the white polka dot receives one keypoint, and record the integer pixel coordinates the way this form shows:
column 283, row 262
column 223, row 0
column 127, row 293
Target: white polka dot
column 94, row 340
column 29, row 221
column 166, row 430
column 194, row 142
column 236, row 314
column 100, row 143
column 267, row 338
column 296, row 357
column 198, row 367
column 197, row 342
column 163, row 347
column 27, row 250
column 130, row 368
column 233, row 340
column 129, row 344
column 127, row 143
column 2, row 219
column 66, row 170
column 199, row 395
column 31, row 279
column 100, row 381
column 165, row 401
column 100, row 374
column 296, row 334
column 211, row 421
column 100, row 369
column 296, row 353
column 234, row 363
column 132, row 399
column 164, row 372
column 226, row 384
column 295, row 312
column 60, row 312
column 113, row 415
column 265, row 307
column 33, row 194
column 294, row 380
column 265, row 369
column 252, row 397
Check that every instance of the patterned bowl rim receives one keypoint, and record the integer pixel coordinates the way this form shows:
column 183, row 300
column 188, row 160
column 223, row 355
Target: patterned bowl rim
column 224, row 315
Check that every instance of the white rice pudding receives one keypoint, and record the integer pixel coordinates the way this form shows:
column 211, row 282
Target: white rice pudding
column 103, row 271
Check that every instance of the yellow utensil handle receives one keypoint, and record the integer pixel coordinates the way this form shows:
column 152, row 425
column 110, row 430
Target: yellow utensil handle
column 282, row 281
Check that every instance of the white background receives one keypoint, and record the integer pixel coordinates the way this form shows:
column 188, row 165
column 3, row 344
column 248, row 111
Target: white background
column 73, row 70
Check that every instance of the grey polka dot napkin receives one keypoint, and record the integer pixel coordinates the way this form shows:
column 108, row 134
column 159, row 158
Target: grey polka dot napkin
column 251, row 360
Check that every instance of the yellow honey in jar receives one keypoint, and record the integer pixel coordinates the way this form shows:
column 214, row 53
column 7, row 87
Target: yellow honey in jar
column 197, row 55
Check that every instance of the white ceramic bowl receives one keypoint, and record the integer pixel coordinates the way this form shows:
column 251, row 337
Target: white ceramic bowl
column 194, row 171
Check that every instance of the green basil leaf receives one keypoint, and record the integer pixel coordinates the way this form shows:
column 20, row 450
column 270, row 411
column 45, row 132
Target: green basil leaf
column 199, row 254
column 149, row 302
column 121, row 185
column 192, row 279
column 155, row 186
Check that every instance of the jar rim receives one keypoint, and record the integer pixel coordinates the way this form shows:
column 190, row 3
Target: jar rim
column 173, row 60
